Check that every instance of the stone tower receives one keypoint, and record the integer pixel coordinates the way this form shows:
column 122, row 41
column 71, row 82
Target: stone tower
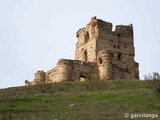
column 112, row 50
column 99, row 51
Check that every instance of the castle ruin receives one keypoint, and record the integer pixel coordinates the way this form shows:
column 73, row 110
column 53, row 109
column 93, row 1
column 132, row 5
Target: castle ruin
column 99, row 52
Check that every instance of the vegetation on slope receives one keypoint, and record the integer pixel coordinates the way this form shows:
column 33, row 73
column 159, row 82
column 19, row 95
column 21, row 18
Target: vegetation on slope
column 91, row 100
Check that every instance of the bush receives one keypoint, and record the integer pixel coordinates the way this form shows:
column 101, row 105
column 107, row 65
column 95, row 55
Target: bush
column 95, row 83
column 154, row 81
column 43, row 87
column 154, row 76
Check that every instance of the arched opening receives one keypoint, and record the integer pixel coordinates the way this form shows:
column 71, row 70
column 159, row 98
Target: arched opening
column 82, row 78
column 100, row 61
column 85, row 56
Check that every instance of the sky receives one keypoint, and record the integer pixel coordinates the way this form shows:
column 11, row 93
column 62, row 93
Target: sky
column 35, row 34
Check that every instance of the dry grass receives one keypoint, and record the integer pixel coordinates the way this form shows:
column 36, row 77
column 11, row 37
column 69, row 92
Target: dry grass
column 90, row 100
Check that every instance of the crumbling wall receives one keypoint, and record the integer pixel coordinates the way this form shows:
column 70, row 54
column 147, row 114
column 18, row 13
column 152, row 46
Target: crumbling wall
column 39, row 77
column 67, row 70
column 71, row 70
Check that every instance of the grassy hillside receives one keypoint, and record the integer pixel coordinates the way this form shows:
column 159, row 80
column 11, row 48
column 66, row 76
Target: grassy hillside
column 92, row 100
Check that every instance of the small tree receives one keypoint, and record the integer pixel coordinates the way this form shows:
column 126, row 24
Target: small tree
column 154, row 76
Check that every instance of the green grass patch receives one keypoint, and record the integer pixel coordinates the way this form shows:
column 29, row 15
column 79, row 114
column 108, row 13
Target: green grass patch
column 90, row 100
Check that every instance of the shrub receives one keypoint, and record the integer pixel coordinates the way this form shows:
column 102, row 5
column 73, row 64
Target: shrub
column 154, row 76
column 43, row 87
column 95, row 83
column 154, row 81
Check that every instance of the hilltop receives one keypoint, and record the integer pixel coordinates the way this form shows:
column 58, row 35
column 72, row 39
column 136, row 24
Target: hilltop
column 91, row 100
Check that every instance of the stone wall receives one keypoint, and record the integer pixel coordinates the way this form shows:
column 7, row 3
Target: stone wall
column 67, row 70
column 86, row 51
column 71, row 70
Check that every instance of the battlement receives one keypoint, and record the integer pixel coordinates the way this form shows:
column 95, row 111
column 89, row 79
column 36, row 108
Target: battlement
column 124, row 27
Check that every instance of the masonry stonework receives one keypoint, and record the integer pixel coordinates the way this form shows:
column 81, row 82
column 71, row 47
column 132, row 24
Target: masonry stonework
column 99, row 52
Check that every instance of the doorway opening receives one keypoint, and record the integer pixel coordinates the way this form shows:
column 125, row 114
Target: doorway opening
column 82, row 78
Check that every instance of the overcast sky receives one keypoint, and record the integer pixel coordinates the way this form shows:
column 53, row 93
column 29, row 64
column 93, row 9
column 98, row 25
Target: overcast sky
column 35, row 34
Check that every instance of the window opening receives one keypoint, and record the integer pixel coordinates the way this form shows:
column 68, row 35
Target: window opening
column 100, row 61
column 86, row 37
column 119, row 56
column 119, row 36
column 85, row 56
